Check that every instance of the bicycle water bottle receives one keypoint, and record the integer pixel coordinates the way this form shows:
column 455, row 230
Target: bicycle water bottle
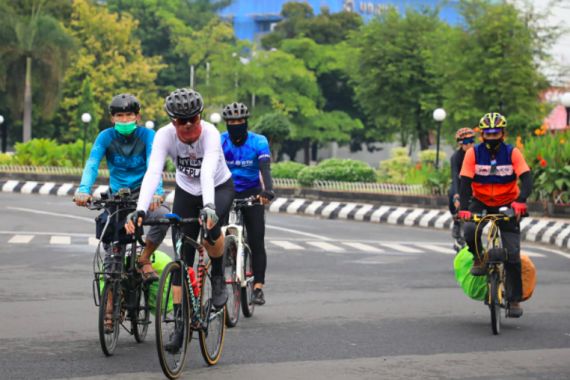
column 193, row 281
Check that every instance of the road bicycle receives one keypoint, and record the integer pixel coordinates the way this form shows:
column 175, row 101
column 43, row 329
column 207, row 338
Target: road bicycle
column 196, row 312
column 118, row 288
column 238, row 261
column 494, row 255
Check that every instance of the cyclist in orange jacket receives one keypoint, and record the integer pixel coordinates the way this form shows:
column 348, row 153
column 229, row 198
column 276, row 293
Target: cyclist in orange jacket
column 489, row 174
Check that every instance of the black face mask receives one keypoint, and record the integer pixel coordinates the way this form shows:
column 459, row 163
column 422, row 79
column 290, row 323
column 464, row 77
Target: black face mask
column 238, row 133
column 493, row 144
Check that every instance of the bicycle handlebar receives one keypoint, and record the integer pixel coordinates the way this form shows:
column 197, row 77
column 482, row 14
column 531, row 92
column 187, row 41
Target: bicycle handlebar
column 246, row 202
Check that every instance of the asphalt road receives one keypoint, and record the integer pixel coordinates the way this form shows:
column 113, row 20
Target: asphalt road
column 345, row 300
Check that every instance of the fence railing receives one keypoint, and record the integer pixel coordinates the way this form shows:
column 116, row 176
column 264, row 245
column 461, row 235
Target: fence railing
column 356, row 187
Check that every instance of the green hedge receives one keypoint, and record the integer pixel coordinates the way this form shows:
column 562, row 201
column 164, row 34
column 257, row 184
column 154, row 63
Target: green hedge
column 45, row 152
column 337, row 170
column 288, row 169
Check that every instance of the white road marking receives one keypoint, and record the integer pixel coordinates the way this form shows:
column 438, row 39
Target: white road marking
column 362, row 211
column 28, row 187
column 91, row 220
column 45, row 189
column 409, row 221
column 424, row 221
column 326, row 246
column 63, row 189
column 286, row 245
column 401, row 248
column 294, row 206
column 21, row 239
column 437, row 248
column 93, row 241
column 310, row 210
column 394, row 216
column 61, row 240
column 9, row 186
column 376, row 215
column 276, row 204
column 343, row 213
column 363, row 247
column 330, row 208
column 297, row 232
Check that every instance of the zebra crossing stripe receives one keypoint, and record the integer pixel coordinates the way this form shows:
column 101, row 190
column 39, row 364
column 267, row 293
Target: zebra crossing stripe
column 401, row 248
column 93, row 241
column 21, row 239
column 326, row 246
column 286, row 245
column 438, row 248
column 60, row 240
column 363, row 247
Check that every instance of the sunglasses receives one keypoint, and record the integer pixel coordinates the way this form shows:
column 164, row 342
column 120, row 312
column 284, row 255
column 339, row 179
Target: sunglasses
column 468, row 141
column 184, row 121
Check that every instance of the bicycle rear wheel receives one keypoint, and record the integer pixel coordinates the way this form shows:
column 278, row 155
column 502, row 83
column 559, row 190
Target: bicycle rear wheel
column 232, row 285
column 172, row 363
column 247, row 305
column 111, row 295
column 214, row 323
column 141, row 314
column 495, row 302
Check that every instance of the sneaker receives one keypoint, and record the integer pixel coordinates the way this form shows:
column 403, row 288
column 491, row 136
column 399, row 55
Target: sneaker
column 175, row 342
column 258, row 298
column 219, row 292
column 478, row 268
column 515, row 310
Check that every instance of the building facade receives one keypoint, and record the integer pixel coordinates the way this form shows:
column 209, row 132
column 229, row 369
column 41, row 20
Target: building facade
column 253, row 18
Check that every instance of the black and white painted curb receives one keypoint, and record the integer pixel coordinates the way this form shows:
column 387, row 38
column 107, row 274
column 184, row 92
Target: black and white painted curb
column 549, row 231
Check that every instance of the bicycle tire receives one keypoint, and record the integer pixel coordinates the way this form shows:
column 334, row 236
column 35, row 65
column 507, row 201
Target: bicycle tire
column 141, row 315
column 233, row 287
column 172, row 364
column 495, row 302
column 247, row 305
column 213, row 333
column 109, row 340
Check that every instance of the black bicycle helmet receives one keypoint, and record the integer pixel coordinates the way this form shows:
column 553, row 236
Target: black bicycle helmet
column 183, row 103
column 124, row 103
column 235, row 111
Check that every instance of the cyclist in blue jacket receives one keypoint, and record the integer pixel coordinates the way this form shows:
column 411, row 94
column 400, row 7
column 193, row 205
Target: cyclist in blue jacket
column 248, row 158
column 126, row 148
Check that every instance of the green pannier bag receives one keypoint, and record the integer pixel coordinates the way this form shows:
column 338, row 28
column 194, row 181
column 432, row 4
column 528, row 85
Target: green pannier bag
column 474, row 286
column 159, row 261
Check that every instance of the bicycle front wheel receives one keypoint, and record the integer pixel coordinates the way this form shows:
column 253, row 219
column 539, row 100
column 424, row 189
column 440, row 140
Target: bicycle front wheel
column 495, row 302
column 214, row 323
column 169, row 318
column 110, row 317
column 232, row 285
column 247, row 305
column 141, row 314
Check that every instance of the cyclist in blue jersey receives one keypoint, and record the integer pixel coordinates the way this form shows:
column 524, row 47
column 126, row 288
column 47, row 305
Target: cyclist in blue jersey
column 248, row 157
column 126, row 148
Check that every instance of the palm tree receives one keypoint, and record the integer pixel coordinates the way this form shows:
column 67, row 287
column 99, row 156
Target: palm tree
column 32, row 37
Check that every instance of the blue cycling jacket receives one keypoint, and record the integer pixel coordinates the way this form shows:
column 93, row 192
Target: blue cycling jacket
column 243, row 160
column 127, row 159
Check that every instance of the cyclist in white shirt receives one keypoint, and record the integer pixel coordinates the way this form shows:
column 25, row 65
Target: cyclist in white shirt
column 204, row 185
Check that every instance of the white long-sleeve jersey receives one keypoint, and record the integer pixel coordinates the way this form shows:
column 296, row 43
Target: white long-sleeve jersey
column 200, row 167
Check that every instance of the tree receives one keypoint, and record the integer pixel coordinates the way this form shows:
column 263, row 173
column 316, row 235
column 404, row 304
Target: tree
column 36, row 50
column 391, row 72
column 110, row 58
column 276, row 127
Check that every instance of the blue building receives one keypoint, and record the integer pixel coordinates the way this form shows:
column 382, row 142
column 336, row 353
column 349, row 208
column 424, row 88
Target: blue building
column 253, row 18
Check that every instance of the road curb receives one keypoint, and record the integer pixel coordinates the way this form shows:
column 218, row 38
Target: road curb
column 541, row 230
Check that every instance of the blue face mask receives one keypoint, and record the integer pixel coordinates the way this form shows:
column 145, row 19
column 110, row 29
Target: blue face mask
column 126, row 129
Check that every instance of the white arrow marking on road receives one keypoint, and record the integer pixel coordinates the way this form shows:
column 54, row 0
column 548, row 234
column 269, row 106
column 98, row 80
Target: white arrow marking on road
column 21, row 239
column 326, row 246
column 363, row 247
column 62, row 240
column 401, row 248
column 286, row 245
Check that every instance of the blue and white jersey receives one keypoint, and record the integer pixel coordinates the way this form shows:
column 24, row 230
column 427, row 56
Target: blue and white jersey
column 243, row 160
column 127, row 159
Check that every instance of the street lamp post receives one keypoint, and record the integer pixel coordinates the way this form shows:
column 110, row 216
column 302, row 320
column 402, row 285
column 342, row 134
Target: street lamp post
column 149, row 124
column 439, row 116
column 565, row 100
column 86, row 119
column 4, row 134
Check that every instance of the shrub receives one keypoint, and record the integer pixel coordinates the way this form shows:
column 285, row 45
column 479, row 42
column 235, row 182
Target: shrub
column 337, row 170
column 287, row 169
column 73, row 153
column 394, row 169
column 6, row 159
column 38, row 152
column 428, row 156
